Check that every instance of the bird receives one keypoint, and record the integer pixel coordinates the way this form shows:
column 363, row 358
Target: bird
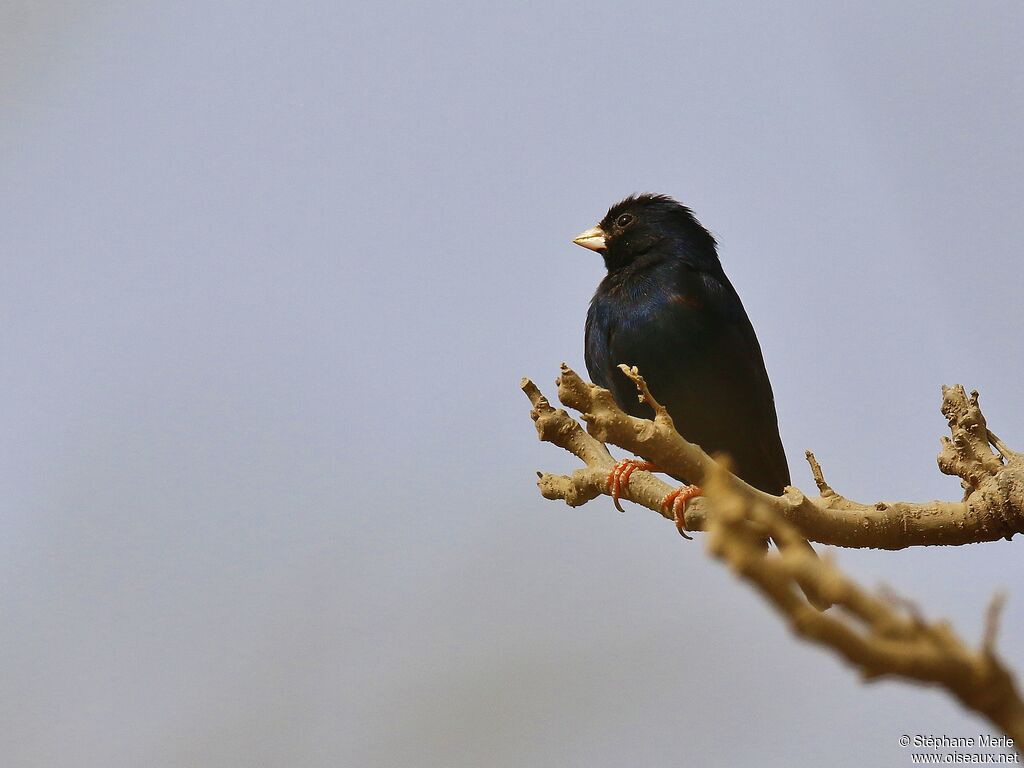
column 666, row 307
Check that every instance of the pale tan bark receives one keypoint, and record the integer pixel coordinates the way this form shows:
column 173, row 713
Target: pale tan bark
column 880, row 635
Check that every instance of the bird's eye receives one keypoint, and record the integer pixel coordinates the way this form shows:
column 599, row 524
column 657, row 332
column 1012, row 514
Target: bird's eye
column 624, row 220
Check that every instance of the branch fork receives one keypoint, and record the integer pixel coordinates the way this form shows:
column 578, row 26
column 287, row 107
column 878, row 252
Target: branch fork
column 993, row 480
column 883, row 635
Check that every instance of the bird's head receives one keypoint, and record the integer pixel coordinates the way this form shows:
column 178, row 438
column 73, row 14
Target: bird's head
column 650, row 224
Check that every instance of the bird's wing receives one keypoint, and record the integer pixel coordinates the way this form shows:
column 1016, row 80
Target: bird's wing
column 759, row 456
column 691, row 339
column 689, row 335
column 597, row 348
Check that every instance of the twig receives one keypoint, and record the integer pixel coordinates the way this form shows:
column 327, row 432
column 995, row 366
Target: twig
column 819, row 478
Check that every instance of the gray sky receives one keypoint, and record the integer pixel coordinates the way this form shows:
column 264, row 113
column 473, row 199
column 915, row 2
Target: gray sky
column 271, row 275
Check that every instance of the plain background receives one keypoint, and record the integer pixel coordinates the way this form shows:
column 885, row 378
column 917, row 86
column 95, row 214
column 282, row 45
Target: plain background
column 271, row 274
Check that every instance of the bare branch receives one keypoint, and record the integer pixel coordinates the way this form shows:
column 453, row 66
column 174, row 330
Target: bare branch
column 992, row 616
column 660, row 412
column 884, row 635
column 557, row 427
column 878, row 635
column 992, row 509
column 819, row 477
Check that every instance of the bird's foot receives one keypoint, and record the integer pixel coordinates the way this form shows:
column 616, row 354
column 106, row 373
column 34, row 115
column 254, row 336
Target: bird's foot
column 618, row 478
column 677, row 501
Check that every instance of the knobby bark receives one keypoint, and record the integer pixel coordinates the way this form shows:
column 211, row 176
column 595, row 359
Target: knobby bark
column 880, row 635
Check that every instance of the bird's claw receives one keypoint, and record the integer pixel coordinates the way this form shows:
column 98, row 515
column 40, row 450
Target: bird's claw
column 618, row 478
column 677, row 501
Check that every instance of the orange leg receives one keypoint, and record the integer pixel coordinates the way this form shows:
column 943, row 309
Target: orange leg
column 677, row 500
column 618, row 478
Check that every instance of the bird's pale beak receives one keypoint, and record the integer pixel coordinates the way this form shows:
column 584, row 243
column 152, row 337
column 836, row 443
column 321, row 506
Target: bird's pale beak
column 593, row 239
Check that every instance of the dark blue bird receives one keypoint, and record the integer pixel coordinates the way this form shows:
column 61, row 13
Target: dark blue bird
column 667, row 307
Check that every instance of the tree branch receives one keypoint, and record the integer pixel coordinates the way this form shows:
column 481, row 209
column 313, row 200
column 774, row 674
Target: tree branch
column 992, row 508
column 881, row 637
